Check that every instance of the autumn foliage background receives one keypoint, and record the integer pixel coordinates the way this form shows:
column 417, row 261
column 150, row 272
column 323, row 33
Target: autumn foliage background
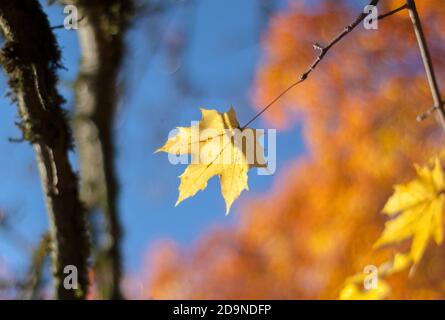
column 317, row 225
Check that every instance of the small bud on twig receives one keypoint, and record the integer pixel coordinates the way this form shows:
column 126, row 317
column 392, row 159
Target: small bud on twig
column 318, row 47
column 426, row 114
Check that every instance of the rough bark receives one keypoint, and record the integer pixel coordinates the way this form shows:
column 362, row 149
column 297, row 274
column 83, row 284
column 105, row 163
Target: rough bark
column 30, row 58
column 101, row 36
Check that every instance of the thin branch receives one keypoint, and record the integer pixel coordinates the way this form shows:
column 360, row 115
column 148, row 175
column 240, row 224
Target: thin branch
column 29, row 288
column 426, row 114
column 390, row 13
column 62, row 26
column 33, row 281
column 427, row 62
column 14, row 236
column 337, row 39
column 323, row 50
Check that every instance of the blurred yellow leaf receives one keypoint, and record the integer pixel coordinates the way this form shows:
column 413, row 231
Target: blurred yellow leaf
column 219, row 147
column 416, row 208
column 399, row 262
column 352, row 291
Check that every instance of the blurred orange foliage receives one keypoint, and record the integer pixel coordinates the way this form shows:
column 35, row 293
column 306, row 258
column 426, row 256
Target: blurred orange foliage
column 318, row 225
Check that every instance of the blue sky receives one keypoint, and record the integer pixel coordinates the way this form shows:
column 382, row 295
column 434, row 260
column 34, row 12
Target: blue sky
column 219, row 62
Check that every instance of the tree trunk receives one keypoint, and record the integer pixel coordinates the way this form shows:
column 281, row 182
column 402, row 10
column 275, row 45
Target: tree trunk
column 101, row 37
column 30, row 57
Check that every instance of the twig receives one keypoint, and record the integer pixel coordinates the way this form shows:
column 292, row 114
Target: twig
column 340, row 36
column 33, row 281
column 390, row 13
column 426, row 114
column 427, row 62
column 322, row 53
column 62, row 26
column 16, row 140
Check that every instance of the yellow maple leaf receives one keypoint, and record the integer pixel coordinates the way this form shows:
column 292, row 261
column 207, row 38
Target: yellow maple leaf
column 416, row 209
column 399, row 263
column 218, row 147
column 353, row 291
